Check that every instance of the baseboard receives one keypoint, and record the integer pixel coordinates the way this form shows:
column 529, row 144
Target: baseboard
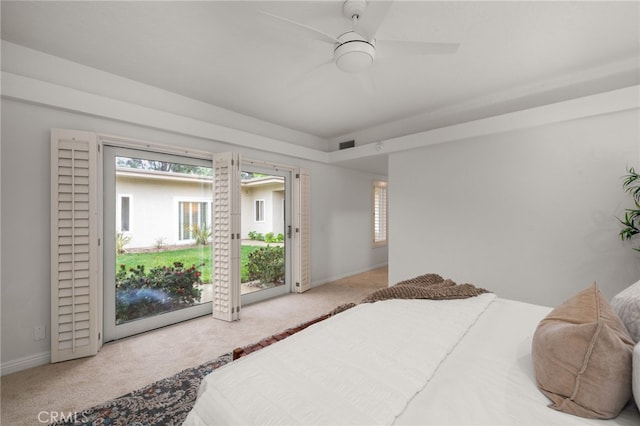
column 20, row 364
column 348, row 274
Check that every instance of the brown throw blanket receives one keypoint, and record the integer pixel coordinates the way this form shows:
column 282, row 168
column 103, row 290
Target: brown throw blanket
column 428, row 286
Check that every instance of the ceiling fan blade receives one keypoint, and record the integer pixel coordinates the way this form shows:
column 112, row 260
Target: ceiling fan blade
column 304, row 84
column 302, row 28
column 309, row 73
column 388, row 48
column 372, row 18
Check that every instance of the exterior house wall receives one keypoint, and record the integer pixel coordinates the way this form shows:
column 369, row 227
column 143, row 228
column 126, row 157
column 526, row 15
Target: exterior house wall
column 273, row 196
column 277, row 212
column 246, row 213
column 155, row 208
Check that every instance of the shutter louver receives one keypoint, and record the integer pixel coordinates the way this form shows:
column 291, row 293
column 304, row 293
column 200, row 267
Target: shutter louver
column 74, row 245
column 226, row 236
column 302, row 225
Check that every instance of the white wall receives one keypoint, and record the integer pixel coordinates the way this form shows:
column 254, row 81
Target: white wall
column 529, row 214
column 340, row 235
column 338, row 232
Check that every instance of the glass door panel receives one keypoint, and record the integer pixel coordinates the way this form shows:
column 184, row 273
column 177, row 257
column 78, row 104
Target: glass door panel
column 265, row 233
column 158, row 264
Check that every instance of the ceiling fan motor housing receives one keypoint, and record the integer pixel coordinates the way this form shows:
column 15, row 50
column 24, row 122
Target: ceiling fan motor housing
column 354, row 53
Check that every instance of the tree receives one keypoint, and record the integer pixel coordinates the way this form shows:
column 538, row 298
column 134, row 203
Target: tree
column 162, row 166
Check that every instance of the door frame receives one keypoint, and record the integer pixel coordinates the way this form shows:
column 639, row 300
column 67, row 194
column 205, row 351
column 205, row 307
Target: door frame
column 111, row 331
column 286, row 173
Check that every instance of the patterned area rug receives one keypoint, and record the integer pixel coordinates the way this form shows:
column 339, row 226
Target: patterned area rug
column 168, row 401
column 165, row 402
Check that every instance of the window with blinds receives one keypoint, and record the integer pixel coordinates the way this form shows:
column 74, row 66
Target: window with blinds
column 193, row 215
column 380, row 219
column 259, row 211
column 125, row 213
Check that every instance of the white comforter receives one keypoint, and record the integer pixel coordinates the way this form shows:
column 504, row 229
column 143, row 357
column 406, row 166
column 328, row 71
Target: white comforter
column 403, row 362
column 489, row 378
column 360, row 367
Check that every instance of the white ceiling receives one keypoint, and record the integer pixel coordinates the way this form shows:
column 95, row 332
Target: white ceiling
column 512, row 55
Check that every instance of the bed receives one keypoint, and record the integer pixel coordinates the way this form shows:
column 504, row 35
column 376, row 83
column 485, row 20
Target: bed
column 398, row 361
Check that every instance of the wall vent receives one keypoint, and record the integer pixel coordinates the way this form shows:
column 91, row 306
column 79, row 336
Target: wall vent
column 347, row 144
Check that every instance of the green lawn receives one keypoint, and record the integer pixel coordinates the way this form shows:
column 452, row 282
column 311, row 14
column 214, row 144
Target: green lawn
column 188, row 256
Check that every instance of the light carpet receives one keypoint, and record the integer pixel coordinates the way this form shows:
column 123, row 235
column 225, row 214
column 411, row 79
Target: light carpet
column 126, row 365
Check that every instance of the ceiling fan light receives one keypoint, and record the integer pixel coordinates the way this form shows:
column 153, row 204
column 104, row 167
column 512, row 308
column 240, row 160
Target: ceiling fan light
column 354, row 56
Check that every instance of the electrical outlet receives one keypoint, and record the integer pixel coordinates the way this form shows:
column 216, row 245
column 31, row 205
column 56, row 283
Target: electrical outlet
column 38, row 332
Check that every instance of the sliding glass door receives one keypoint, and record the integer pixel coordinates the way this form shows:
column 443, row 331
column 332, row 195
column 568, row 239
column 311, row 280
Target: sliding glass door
column 157, row 248
column 266, row 233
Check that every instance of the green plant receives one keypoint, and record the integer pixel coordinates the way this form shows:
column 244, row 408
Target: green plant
column 162, row 289
column 201, row 234
column 189, row 256
column 121, row 241
column 256, row 236
column 270, row 237
column 266, row 264
column 631, row 221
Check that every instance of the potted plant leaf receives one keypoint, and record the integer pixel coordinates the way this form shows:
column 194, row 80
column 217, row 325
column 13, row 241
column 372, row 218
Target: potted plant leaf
column 631, row 221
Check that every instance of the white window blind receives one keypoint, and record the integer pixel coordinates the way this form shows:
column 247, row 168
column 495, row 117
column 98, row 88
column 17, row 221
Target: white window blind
column 302, row 226
column 259, row 210
column 380, row 219
column 226, row 236
column 125, row 213
column 75, row 249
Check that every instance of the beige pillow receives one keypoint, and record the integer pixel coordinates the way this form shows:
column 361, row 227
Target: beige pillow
column 582, row 357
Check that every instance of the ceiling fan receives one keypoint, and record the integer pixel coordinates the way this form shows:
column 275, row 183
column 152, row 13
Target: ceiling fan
column 355, row 50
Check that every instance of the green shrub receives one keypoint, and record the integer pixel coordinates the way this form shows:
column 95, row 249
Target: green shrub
column 256, row 236
column 201, row 235
column 266, row 264
column 162, row 289
column 270, row 237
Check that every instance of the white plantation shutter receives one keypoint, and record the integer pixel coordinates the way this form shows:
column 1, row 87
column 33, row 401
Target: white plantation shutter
column 75, row 250
column 302, row 226
column 226, row 236
column 380, row 219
